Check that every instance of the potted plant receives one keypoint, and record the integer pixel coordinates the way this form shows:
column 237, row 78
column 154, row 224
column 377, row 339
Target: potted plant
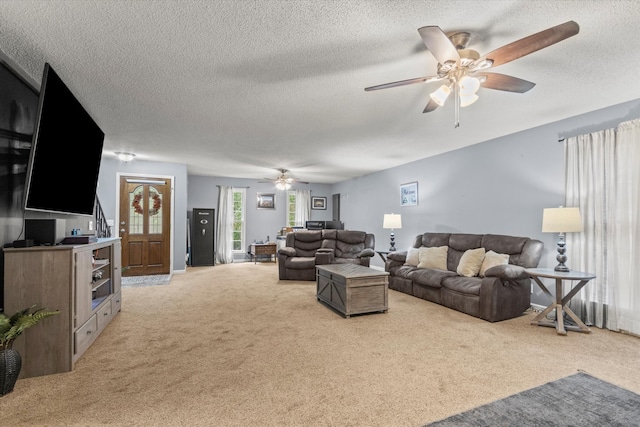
column 10, row 329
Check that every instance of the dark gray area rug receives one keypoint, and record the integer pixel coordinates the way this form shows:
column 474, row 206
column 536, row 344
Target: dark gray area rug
column 577, row 400
column 140, row 281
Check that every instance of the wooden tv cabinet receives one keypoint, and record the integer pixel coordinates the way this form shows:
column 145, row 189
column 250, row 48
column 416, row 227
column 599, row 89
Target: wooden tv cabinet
column 82, row 281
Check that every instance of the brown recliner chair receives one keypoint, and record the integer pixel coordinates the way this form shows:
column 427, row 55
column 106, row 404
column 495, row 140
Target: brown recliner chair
column 306, row 249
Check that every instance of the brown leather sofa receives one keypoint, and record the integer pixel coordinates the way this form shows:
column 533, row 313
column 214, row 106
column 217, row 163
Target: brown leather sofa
column 501, row 292
column 306, row 249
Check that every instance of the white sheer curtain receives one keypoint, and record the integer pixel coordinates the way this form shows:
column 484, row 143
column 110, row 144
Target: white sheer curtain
column 303, row 207
column 224, row 226
column 628, row 226
column 602, row 180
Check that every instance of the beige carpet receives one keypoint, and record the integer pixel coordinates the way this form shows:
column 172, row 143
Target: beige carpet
column 230, row 345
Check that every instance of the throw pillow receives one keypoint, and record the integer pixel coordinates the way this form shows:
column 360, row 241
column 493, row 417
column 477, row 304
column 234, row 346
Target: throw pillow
column 491, row 259
column 413, row 257
column 433, row 257
column 470, row 262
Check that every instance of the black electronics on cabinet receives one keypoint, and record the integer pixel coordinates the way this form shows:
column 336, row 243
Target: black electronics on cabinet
column 202, row 241
column 44, row 231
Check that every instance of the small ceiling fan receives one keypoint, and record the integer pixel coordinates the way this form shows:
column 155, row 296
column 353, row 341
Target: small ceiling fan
column 463, row 72
column 283, row 182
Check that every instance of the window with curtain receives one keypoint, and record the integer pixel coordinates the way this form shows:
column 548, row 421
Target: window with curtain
column 303, row 207
column 224, row 226
column 603, row 180
column 239, row 207
column 291, row 209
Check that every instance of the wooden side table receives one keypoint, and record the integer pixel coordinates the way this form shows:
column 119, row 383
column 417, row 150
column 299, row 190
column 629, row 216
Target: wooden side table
column 258, row 249
column 383, row 255
column 560, row 303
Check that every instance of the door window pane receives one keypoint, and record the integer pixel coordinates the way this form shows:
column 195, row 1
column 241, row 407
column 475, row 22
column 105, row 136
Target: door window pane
column 155, row 210
column 136, row 210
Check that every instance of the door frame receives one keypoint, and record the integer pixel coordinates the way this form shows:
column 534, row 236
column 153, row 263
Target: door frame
column 171, row 178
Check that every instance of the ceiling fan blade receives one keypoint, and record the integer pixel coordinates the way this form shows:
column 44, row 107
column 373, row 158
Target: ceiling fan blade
column 503, row 82
column 432, row 105
column 403, row 83
column 530, row 44
column 439, row 44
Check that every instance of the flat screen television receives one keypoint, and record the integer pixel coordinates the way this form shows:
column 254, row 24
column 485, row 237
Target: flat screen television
column 66, row 151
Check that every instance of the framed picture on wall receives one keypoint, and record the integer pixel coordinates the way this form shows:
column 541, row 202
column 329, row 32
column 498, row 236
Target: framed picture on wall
column 318, row 202
column 409, row 194
column 266, row 201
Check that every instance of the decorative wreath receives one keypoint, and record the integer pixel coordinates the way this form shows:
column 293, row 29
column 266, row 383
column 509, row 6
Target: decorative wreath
column 157, row 203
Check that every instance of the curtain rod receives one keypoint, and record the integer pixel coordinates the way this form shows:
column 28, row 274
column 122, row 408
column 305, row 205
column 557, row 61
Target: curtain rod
column 233, row 186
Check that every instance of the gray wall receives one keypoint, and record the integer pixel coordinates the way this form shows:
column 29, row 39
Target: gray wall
column 260, row 223
column 499, row 186
column 108, row 192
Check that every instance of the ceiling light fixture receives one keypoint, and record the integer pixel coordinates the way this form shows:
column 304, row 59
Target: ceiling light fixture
column 282, row 184
column 441, row 95
column 124, row 157
column 464, row 88
column 463, row 69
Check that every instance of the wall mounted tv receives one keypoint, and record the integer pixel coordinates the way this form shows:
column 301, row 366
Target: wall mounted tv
column 65, row 154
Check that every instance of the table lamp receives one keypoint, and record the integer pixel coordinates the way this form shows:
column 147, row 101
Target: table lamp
column 561, row 220
column 392, row 221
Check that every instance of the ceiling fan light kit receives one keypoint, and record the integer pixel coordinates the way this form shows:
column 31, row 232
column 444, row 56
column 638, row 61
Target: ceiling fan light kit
column 284, row 182
column 462, row 69
column 441, row 95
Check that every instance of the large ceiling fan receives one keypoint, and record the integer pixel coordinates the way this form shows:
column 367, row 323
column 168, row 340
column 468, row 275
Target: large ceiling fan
column 283, row 182
column 463, row 71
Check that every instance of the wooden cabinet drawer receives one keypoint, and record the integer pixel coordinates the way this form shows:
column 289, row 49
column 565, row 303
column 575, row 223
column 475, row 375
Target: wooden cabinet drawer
column 116, row 303
column 104, row 315
column 85, row 334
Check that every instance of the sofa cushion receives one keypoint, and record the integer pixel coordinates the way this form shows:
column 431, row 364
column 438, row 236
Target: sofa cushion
column 351, row 236
column 458, row 245
column 306, row 243
column 348, row 250
column 507, row 272
column 330, row 234
column 510, row 245
column 402, row 271
column 463, row 285
column 397, row 256
column 470, row 262
column 430, row 276
column 491, row 259
column 433, row 257
column 432, row 240
column 413, row 257
column 301, row 263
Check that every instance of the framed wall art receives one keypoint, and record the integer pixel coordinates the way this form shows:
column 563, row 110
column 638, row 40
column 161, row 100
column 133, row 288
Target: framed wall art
column 266, row 201
column 318, row 203
column 409, row 194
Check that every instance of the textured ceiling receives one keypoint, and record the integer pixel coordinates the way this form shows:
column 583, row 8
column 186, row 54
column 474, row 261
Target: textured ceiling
column 243, row 88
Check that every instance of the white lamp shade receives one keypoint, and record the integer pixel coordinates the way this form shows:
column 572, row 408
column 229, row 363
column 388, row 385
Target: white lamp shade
column 466, row 100
column 392, row 221
column 561, row 220
column 469, row 85
column 440, row 95
column 280, row 185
